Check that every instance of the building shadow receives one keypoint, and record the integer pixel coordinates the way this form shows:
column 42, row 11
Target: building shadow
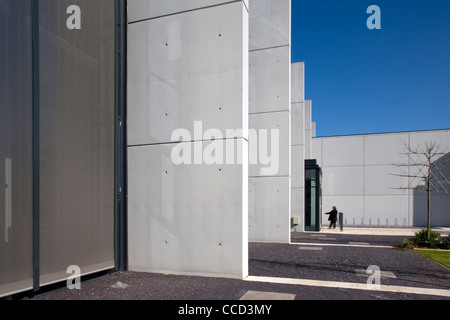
column 439, row 200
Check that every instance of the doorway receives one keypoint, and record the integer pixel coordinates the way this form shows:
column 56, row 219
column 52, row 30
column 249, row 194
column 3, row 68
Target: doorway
column 313, row 196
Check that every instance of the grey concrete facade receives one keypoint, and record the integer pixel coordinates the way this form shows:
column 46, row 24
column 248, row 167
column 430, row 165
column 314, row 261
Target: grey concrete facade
column 187, row 63
column 298, row 147
column 201, row 66
column 309, row 130
column 360, row 179
column 270, row 109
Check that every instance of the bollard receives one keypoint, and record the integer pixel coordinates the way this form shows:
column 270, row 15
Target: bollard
column 341, row 221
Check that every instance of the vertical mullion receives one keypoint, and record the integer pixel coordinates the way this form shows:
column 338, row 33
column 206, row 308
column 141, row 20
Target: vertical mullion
column 117, row 237
column 36, row 145
column 120, row 245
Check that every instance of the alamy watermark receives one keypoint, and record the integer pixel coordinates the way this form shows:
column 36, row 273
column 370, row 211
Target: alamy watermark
column 74, row 20
column 74, row 280
column 214, row 147
column 374, row 280
column 374, row 21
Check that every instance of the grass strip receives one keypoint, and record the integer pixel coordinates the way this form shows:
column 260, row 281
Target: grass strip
column 440, row 256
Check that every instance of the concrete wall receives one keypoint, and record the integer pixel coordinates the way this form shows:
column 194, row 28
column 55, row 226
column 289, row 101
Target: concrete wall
column 298, row 145
column 270, row 109
column 359, row 178
column 309, row 130
column 187, row 62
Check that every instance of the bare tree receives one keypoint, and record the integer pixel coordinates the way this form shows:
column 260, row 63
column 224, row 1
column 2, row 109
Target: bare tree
column 426, row 171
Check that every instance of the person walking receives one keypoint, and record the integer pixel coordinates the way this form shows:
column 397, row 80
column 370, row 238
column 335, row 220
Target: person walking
column 332, row 218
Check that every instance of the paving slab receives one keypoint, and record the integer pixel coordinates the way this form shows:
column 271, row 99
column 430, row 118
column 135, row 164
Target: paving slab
column 264, row 295
column 330, row 273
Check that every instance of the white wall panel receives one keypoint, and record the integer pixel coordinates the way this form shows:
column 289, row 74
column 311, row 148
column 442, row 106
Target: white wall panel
column 390, row 207
column 317, row 150
column 270, row 80
column 298, row 124
column 441, row 137
column 369, row 158
column 338, row 151
column 185, row 68
column 346, row 181
column 298, row 82
column 147, row 9
column 298, row 207
column 297, row 167
column 272, row 121
column 179, row 220
column 384, row 180
column 308, row 129
column 270, row 23
column 298, row 144
column 269, row 108
column 385, row 149
column 269, row 209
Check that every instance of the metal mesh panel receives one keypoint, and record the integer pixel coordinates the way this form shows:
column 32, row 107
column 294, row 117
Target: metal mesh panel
column 15, row 146
column 77, row 138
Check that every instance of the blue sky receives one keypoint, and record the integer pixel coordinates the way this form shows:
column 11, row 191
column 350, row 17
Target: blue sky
column 371, row 81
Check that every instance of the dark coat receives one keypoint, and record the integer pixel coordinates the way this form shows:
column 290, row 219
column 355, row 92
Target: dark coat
column 333, row 215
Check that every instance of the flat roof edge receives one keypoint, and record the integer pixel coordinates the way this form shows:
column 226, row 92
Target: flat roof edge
column 379, row 133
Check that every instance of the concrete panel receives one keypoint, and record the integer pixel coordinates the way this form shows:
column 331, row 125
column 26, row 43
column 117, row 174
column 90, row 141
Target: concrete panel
column 298, row 124
column 269, row 108
column 269, row 77
column 342, row 181
column 351, row 206
column 308, row 129
column 148, row 9
column 308, row 115
column 343, row 156
column 441, row 137
column 391, row 210
column 298, row 82
column 270, row 23
column 383, row 180
column 298, row 207
column 188, row 67
column 179, row 220
column 338, row 151
column 439, row 216
column 317, row 150
column 385, row 149
column 271, row 121
column 269, row 209
column 297, row 167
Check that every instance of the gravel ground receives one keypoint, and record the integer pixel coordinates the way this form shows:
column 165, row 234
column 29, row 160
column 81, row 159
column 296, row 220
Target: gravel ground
column 332, row 262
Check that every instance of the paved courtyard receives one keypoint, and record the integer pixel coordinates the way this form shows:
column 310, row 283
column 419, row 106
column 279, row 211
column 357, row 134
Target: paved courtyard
column 329, row 265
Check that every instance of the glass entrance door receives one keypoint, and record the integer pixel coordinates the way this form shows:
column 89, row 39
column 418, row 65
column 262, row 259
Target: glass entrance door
column 312, row 196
